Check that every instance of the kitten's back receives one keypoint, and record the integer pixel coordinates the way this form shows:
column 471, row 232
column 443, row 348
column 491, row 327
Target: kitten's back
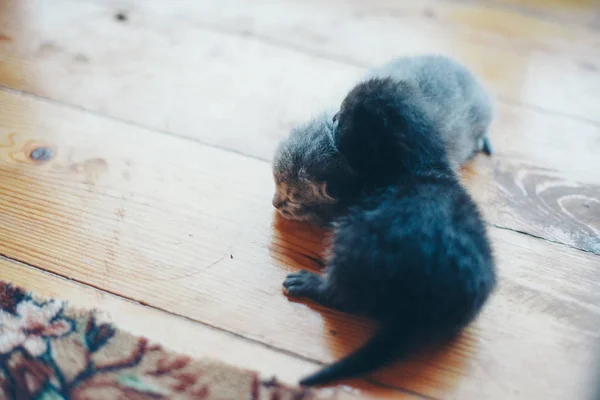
column 457, row 101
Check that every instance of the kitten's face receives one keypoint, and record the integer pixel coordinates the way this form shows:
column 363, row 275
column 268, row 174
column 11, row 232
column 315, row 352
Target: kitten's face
column 309, row 172
column 297, row 197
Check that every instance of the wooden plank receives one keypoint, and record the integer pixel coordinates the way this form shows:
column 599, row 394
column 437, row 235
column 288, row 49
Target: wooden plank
column 193, row 339
column 131, row 73
column 579, row 13
column 189, row 229
column 160, row 87
column 82, row 55
column 541, row 181
column 522, row 196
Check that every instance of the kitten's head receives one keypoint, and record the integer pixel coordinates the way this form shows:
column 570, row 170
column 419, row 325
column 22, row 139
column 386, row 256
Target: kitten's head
column 310, row 175
column 384, row 132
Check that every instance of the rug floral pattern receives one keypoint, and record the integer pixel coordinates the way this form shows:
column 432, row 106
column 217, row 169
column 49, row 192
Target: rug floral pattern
column 52, row 352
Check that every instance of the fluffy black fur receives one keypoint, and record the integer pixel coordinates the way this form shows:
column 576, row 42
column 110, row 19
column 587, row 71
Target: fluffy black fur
column 414, row 254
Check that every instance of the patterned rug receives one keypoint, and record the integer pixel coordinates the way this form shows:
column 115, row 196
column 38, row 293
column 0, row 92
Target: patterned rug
column 52, row 352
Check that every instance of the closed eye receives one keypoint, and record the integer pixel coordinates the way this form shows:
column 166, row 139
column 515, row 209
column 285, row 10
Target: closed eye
column 295, row 198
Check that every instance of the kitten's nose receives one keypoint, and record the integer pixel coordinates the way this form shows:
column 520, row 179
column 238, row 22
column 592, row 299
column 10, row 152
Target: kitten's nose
column 277, row 201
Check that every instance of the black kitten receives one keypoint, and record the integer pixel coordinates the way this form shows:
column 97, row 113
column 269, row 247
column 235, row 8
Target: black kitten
column 414, row 254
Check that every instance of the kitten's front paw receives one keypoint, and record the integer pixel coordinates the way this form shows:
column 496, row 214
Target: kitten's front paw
column 303, row 284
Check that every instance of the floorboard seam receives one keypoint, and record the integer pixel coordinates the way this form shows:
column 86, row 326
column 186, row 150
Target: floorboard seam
column 265, row 39
column 124, row 121
column 312, row 53
column 542, row 238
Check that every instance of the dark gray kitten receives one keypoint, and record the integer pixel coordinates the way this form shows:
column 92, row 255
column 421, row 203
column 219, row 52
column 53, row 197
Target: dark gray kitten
column 413, row 253
column 314, row 182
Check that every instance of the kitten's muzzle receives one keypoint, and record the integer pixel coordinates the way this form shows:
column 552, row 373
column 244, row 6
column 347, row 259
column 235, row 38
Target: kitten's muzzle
column 278, row 202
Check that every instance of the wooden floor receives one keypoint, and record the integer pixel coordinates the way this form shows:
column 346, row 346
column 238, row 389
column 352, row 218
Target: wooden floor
column 154, row 206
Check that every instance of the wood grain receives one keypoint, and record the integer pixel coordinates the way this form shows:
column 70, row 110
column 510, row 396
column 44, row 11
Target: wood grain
column 189, row 229
column 213, row 47
column 538, row 201
column 541, row 181
column 579, row 13
column 227, row 90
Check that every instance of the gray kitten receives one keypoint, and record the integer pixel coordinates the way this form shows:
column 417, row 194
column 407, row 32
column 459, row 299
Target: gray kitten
column 312, row 178
column 314, row 181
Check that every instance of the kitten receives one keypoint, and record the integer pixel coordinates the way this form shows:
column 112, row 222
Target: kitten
column 454, row 100
column 414, row 253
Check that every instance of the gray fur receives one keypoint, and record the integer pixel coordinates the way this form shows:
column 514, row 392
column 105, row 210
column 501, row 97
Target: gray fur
column 457, row 101
column 311, row 176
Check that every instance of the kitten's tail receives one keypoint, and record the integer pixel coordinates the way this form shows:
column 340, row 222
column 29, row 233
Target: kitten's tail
column 387, row 344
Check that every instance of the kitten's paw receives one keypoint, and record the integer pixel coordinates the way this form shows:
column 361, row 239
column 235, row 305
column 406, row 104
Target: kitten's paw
column 303, row 284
